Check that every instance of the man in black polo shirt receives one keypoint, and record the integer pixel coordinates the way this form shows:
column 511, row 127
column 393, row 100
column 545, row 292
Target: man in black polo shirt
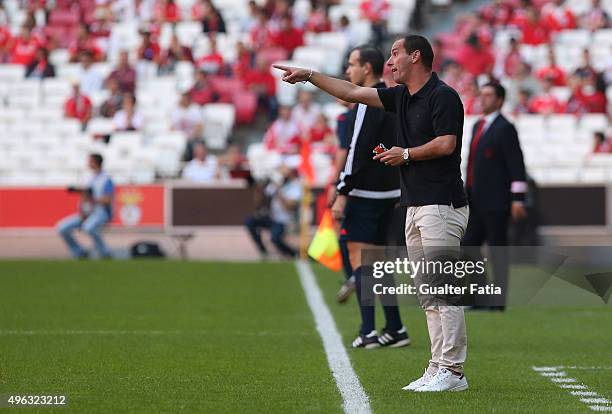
column 429, row 126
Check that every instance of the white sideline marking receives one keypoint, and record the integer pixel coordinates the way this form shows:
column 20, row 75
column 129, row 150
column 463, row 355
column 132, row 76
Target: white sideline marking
column 563, row 380
column 558, row 377
column 353, row 394
column 595, row 400
column 553, row 374
column 584, row 393
column 539, row 369
column 552, row 369
column 574, row 386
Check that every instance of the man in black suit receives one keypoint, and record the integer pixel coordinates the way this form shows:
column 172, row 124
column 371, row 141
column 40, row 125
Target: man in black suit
column 496, row 186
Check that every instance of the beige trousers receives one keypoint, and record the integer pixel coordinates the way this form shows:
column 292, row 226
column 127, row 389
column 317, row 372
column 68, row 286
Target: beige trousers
column 429, row 227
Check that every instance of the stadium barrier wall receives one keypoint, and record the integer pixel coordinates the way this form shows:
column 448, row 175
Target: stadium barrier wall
column 179, row 205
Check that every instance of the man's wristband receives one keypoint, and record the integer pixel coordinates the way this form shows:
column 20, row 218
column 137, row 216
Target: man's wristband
column 309, row 76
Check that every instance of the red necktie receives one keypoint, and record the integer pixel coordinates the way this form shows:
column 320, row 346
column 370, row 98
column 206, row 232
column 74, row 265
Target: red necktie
column 473, row 146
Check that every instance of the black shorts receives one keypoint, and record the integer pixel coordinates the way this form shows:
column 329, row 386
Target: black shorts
column 372, row 221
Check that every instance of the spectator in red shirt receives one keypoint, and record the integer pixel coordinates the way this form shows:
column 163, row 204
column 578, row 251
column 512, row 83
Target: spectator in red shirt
column 322, row 136
column 149, row 49
column 84, row 42
column 471, row 100
column 556, row 16
column 243, row 62
column 125, row 74
column 474, row 23
column 212, row 62
column 263, row 83
column 202, row 91
column 41, row 67
column 552, row 71
column 288, row 37
column 320, row 130
column 5, row 43
column 284, row 133
column 457, row 78
column 497, row 13
column 534, row 32
column 377, row 13
column 319, row 21
column 24, row 47
column 260, row 34
column 519, row 14
column 546, row 103
column 36, row 31
column 167, row 11
column 474, row 57
column 78, row 106
column 513, row 59
column 602, row 145
column 101, row 27
column 592, row 95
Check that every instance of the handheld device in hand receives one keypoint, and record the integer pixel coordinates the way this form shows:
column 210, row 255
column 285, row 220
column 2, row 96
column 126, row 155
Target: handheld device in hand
column 380, row 148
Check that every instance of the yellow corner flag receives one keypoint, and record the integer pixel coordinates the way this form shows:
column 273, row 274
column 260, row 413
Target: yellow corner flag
column 324, row 247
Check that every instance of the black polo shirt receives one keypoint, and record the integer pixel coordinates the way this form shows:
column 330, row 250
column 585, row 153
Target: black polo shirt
column 434, row 110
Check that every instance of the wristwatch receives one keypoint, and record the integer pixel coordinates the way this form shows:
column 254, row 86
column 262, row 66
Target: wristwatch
column 406, row 155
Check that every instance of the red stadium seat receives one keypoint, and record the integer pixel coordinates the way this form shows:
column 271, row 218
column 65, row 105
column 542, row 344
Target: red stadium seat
column 61, row 36
column 246, row 107
column 226, row 87
column 64, row 18
column 272, row 54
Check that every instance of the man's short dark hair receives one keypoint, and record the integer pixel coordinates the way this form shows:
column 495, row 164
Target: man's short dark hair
column 98, row 159
column 373, row 56
column 500, row 91
column 416, row 42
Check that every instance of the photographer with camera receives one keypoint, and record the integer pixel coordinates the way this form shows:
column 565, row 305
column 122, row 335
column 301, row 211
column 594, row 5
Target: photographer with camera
column 95, row 210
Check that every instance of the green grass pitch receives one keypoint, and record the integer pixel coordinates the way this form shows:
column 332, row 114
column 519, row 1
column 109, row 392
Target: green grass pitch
column 149, row 336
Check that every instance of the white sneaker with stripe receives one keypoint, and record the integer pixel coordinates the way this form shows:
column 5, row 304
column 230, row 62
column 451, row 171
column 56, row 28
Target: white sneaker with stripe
column 418, row 383
column 368, row 341
column 445, row 380
column 394, row 339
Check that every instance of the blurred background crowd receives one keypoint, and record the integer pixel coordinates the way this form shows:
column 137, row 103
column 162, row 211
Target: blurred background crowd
column 164, row 88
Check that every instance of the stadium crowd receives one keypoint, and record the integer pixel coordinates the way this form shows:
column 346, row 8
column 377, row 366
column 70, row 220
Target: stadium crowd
column 514, row 41
column 527, row 64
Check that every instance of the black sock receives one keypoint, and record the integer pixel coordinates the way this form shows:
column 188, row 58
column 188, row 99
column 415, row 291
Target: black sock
column 389, row 302
column 346, row 262
column 392, row 316
column 367, row 311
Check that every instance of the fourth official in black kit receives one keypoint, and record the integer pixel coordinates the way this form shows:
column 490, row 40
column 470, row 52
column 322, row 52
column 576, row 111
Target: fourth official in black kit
column 368, row 194
column 495, row 184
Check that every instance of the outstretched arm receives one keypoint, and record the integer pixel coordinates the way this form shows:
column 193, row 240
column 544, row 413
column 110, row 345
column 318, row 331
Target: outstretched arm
column 337, row 87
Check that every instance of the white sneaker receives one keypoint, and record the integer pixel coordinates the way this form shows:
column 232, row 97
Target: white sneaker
column 424, row 380
column 445, row 380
